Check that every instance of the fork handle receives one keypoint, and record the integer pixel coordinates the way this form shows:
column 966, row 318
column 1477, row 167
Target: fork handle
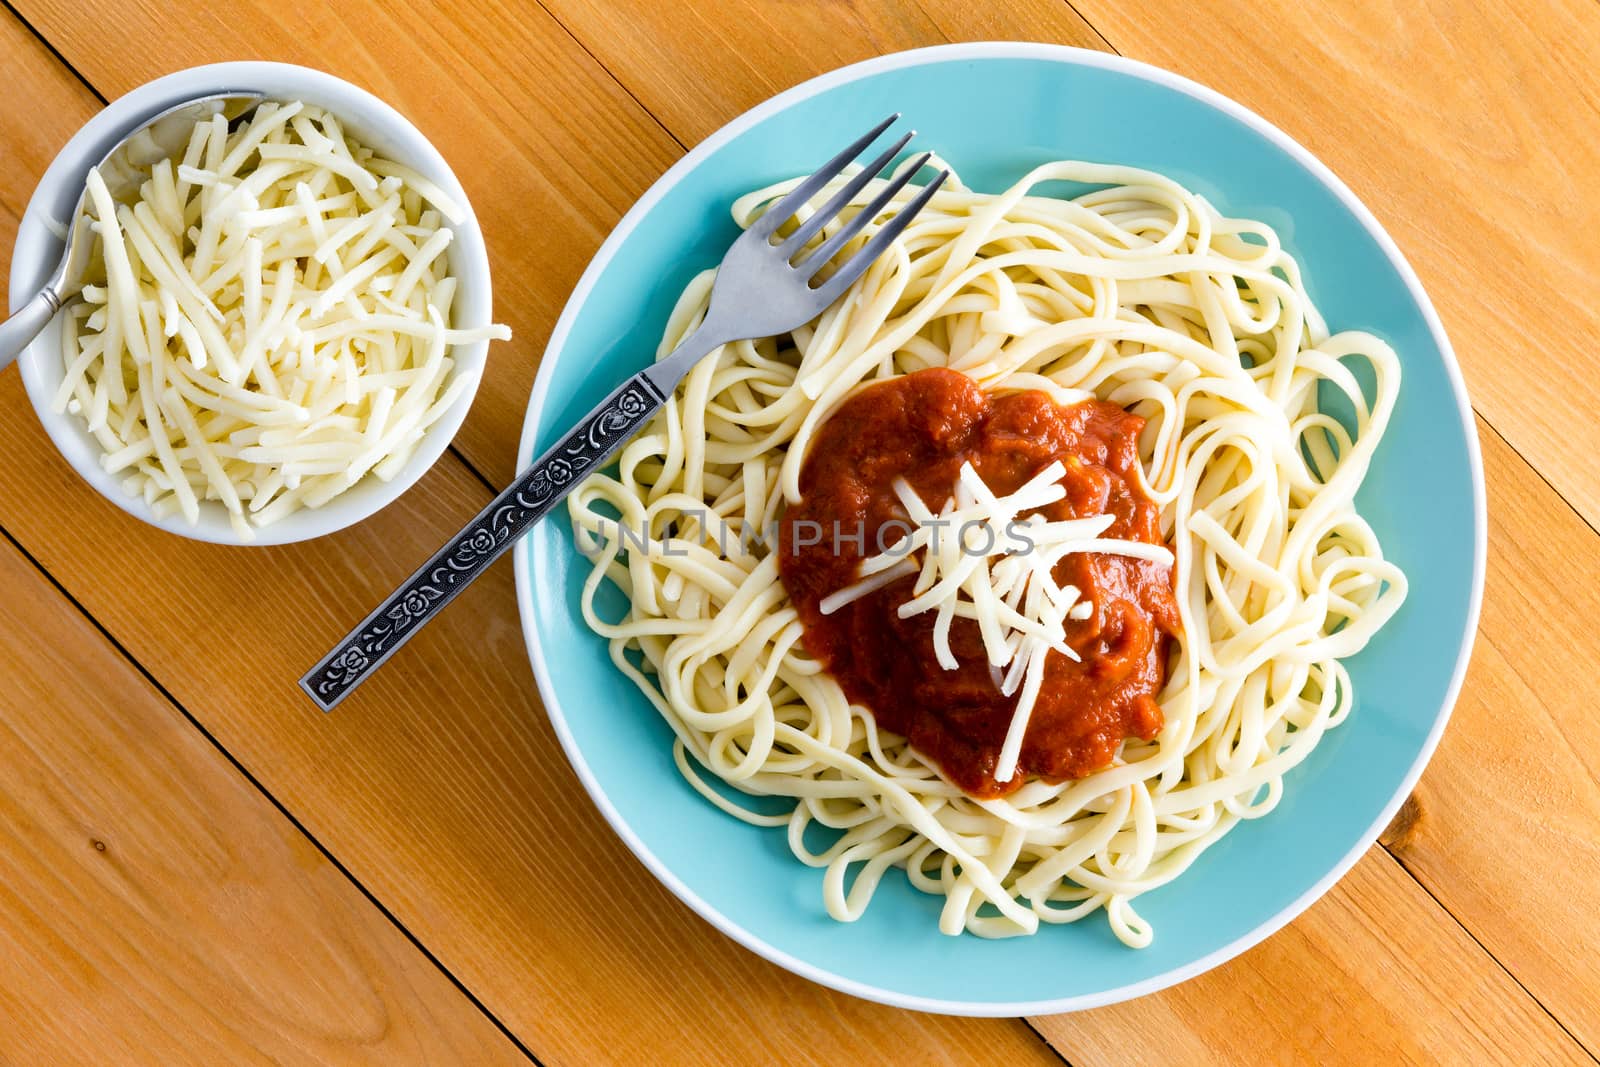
column 483, row 540
column 18, row 332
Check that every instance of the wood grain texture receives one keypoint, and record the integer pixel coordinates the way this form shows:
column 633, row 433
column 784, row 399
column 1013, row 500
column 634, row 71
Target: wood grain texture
column 1393, row 956
column 440, row 787
column 1505, row 827
column 155, row 907
column 1503, row 832
column 1369, row 975
column 1473, row 133
column 1479, row 828
column 697, row 65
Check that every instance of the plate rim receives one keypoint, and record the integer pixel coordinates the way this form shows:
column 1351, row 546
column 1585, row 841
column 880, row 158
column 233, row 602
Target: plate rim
column 1072, row 56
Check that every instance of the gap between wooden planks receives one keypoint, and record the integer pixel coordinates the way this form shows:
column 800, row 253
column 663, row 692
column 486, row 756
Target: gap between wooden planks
column 602, row 143
column 155, row 908
column 1289, row 61
column 1473, row 132
column 585, row 968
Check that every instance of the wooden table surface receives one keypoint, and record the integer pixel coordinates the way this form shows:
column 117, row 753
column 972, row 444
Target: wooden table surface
column 196, row 866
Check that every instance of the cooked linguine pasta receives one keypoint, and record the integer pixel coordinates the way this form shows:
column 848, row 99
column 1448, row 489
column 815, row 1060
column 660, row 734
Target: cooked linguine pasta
column 1138, row 293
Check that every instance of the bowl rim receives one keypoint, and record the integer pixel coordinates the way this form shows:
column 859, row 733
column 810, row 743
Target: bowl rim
column 1075, row 57
column 468, row 258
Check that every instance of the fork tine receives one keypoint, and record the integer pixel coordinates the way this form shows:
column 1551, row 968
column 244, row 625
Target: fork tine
column 825, row 214
column 774, row 216
column 856, row 265
column 830, row 248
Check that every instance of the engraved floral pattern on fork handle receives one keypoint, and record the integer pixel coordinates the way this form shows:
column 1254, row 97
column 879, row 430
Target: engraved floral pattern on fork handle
column 481, row 542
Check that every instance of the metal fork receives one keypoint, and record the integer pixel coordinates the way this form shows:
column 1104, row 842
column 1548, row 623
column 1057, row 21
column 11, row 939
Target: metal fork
column 765, row 286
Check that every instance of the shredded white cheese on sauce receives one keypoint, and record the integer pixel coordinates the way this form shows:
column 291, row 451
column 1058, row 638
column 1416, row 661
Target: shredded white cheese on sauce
column 273, row 324
column 980, row 561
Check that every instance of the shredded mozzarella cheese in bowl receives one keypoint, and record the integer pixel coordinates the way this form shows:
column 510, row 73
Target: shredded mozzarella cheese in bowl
column 273, row 322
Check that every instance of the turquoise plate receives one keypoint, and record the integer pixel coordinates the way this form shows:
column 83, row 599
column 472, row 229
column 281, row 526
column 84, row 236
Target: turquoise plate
column 994, row 111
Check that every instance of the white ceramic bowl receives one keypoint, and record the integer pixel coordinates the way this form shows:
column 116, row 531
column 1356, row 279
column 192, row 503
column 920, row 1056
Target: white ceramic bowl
column 370, row 121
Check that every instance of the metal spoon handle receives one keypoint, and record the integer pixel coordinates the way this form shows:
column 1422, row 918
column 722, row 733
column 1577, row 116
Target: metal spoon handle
column 18, row 332
column 483, row 540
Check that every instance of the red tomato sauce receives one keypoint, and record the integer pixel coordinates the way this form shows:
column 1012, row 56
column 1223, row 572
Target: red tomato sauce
column 923, row 427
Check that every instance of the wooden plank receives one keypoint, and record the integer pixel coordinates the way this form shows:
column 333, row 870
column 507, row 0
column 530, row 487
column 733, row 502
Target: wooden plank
column 696, row 65
column 1505, row 826
column 155, row 907
column 1472, row 132
column 440, row 787
column 1504, row 831
column 351, row 787
column 1370, row 974
column 1469, row 98
column 500, row 621
column 353, row 776
column 669, row 60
